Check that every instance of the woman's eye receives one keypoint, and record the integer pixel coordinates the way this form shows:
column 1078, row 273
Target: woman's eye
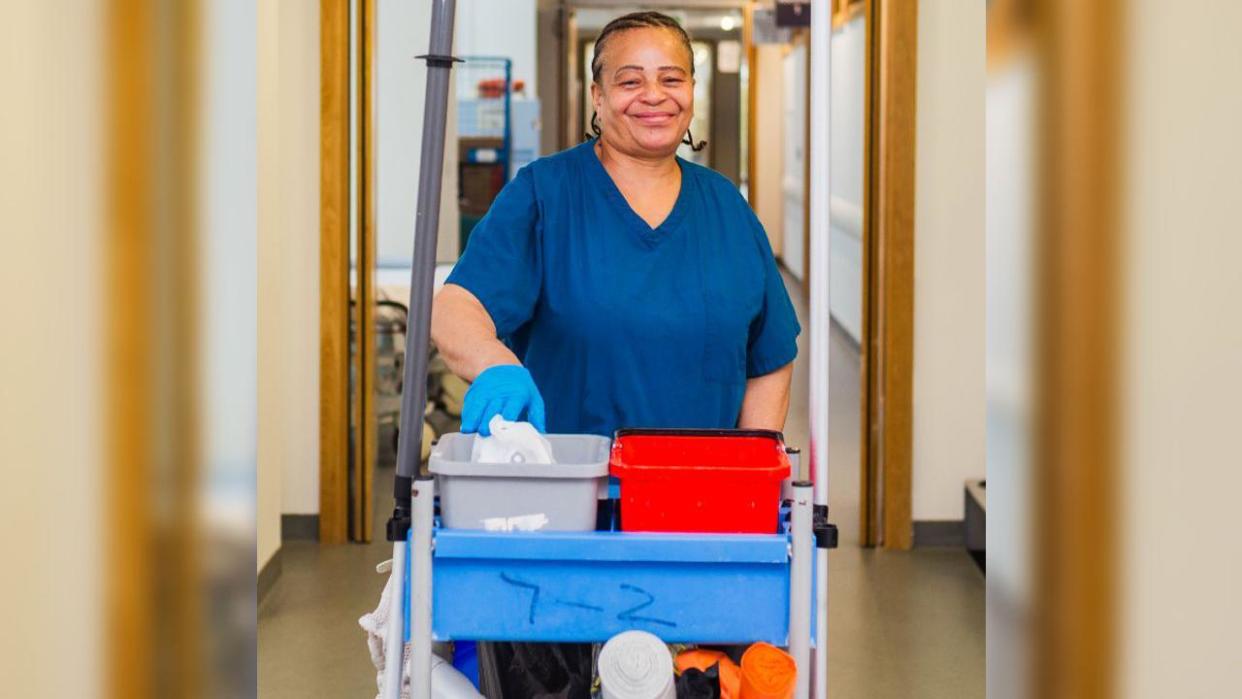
column 673, row 81
column 630, row 83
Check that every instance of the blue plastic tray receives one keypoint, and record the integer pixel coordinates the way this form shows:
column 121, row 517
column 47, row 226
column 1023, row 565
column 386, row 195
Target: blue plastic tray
column 590, row 586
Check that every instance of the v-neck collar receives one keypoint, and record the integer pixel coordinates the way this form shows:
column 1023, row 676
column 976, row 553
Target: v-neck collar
column 650, row 236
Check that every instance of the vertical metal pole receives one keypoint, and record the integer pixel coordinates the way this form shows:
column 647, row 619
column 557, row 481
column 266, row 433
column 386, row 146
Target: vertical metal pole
column 508, row 137
column 800, row 587
column 420, row 587
column 394, row 641
column 821, row 624
column 795, row 472
column 414, row 382
column 426, row 226
column 821, row 257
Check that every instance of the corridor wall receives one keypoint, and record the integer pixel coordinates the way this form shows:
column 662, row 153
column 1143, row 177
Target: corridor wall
column 765, row 181
column 54, row 372
column 949, row 269
column 268, row 469
column 402, row 32
column 794, row 162
column 848, row 104
column 288, row 295
column 1180, row 343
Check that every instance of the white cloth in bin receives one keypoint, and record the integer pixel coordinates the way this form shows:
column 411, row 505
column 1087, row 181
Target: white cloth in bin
column 511, row 443
column 520, row 523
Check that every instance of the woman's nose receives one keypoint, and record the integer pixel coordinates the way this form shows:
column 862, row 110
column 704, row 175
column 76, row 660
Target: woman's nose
column 653, row 94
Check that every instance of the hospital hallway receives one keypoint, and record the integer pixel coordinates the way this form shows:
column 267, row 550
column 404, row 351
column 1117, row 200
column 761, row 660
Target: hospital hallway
column 1003, row 233
column 901, row 623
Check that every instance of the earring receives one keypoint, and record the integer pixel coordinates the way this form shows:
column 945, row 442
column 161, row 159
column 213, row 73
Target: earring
column 594, row 128
column 689, row 141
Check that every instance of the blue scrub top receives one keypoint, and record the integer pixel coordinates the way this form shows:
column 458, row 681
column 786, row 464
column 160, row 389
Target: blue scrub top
column 620, row 324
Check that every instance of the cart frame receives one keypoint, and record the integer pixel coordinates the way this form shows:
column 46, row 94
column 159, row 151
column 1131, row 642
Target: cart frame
column 518, row 574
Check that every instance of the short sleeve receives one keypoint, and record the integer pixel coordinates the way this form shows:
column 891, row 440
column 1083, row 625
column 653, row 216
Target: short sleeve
column 502, row 264
column 773, row 338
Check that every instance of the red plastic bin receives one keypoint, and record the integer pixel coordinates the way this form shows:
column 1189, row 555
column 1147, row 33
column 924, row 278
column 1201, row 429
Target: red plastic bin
column 719, row 481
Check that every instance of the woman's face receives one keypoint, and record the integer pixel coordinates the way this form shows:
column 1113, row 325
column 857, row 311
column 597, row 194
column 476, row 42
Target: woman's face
column 645, row 94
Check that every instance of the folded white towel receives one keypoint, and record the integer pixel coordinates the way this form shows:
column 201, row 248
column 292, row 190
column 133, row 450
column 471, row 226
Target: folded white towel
column 511, row 443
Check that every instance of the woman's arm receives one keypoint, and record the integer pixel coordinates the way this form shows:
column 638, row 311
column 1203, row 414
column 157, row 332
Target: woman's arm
column 766, row 400
column 465, row 335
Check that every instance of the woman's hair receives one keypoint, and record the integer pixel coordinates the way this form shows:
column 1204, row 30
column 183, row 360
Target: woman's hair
column 639, row 20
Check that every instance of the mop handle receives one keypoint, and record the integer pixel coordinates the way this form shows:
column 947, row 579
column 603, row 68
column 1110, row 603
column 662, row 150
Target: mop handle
column 422, row 274
column 414, row 381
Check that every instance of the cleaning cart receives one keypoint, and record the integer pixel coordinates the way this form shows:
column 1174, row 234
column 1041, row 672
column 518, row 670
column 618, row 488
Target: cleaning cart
column 587, row 586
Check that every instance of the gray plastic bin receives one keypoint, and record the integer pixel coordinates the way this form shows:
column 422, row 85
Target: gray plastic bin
column 484, row 496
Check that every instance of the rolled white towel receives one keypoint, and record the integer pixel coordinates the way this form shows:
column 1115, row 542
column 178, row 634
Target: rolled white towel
column 636, row 665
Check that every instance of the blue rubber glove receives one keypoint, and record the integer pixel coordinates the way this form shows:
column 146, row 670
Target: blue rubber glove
column 506, row 390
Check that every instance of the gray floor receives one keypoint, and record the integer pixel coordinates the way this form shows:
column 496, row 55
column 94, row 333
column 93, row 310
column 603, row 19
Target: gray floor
column 900, row 624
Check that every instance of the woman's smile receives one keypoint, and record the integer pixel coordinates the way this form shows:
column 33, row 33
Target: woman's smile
column 650, row 118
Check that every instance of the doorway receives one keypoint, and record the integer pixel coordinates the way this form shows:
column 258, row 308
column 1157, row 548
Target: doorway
column 347, row 372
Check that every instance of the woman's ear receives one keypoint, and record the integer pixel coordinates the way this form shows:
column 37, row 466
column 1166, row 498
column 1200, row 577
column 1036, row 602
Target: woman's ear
column 597, row 96
column 597, row 102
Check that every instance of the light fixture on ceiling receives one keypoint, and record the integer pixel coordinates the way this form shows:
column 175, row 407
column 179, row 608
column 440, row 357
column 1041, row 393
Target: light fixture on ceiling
column 727, row 23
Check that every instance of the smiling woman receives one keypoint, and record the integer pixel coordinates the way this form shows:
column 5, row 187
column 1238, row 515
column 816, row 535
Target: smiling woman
column 612, row 239
column 617, row 285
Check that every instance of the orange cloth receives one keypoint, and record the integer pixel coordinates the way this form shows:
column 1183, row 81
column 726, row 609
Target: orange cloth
column 730, row 680
column 767, row 673
column 730, row 673
column 698, row 658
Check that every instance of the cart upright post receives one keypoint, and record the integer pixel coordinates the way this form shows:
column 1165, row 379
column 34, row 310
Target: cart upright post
column 821, row 258
column 439, row 61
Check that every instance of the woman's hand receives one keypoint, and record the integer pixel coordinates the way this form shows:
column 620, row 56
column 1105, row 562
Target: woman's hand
column 506, row 390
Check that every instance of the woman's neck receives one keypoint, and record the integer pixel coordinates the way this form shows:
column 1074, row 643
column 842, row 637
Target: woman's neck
column 629, row 167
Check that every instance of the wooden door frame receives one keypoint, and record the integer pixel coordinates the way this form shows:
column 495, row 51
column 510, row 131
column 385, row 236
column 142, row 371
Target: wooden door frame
column 887, row 347
column 366, row 446
column 334, row 399
column 570, row 107
column 551, row 24
column 345, row 502
column 584, row 74
column 748, row 45
column 152, row 575
column 1076, row 473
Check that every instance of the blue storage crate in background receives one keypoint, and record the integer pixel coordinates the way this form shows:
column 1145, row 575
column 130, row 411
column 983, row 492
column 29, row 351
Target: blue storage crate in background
column 484, row 107
column 524, row 146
